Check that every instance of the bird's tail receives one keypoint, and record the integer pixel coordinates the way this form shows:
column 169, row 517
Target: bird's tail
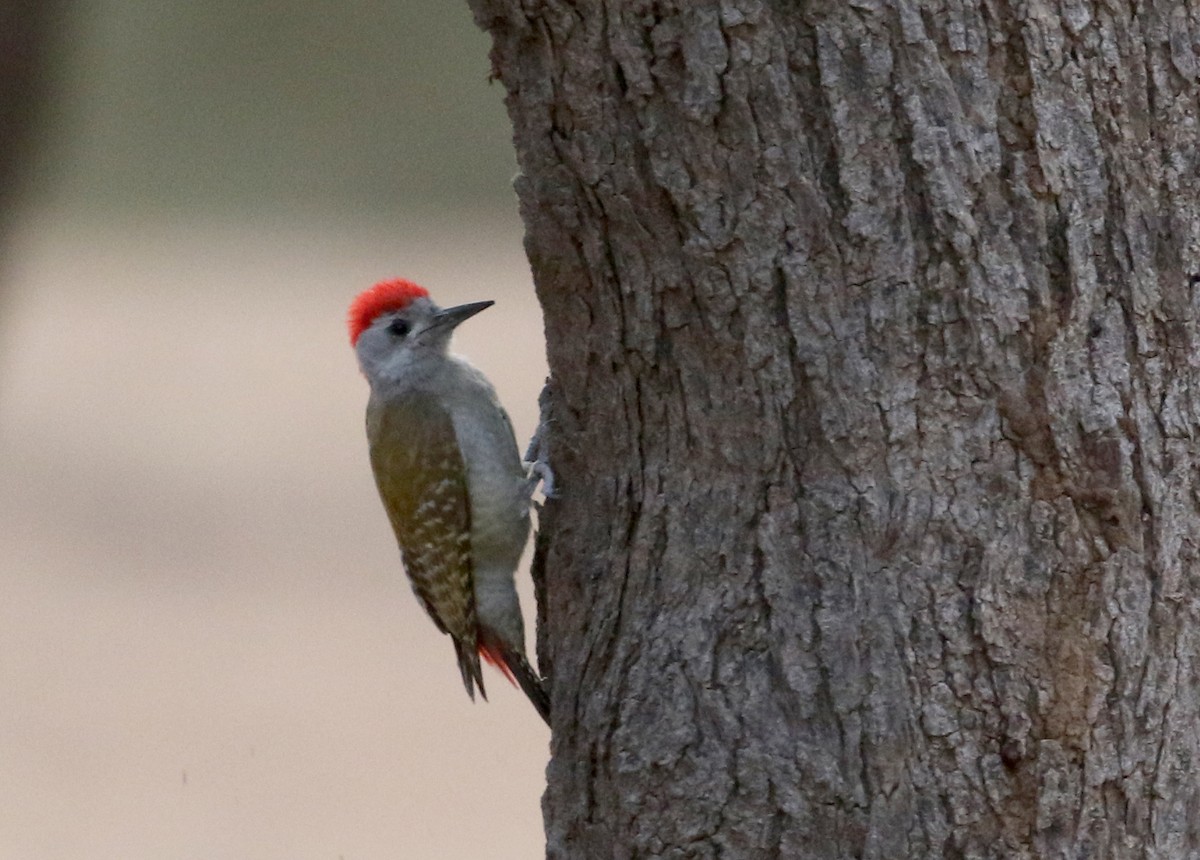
column 512, row 662
column 468, row 664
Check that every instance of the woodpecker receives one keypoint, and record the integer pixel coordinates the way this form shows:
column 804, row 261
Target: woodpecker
column 449, row 475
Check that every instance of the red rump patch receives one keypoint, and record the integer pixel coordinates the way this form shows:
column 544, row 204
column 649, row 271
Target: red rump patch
column 491, row 654
column 383, row 297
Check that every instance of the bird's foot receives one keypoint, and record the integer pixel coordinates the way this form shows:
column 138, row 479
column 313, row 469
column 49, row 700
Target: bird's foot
column 537, row 456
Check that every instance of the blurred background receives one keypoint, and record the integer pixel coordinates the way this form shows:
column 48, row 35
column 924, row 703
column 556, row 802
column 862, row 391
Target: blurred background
column 207, row 645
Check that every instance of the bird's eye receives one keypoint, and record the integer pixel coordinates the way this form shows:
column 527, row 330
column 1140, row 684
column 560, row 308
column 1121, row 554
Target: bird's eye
column 398, row 327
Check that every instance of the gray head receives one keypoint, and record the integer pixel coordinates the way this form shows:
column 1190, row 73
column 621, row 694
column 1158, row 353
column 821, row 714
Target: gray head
column 396, row 329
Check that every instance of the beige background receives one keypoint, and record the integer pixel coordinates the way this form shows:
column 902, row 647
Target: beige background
column 207, row 646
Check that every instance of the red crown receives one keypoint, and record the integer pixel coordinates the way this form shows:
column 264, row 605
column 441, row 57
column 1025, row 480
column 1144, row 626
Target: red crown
column 383, row 297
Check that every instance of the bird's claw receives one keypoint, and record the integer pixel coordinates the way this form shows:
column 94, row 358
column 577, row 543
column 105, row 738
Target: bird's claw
column 537, row 456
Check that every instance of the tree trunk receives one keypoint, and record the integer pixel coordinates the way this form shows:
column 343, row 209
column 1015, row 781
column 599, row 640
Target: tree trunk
column 872, row 328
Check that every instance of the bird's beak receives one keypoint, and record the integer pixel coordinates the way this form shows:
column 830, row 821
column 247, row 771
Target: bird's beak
column 459, row 313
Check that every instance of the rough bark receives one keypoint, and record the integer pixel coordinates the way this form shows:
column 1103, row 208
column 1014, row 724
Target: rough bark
column 872, row 328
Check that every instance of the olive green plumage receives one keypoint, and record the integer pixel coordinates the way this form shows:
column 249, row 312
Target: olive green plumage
column 422, row 482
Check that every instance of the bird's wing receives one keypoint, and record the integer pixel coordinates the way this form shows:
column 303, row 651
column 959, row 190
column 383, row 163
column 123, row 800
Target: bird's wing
column 422, row 481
